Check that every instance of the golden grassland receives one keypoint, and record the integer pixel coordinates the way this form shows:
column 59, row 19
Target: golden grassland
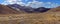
column 31, row 18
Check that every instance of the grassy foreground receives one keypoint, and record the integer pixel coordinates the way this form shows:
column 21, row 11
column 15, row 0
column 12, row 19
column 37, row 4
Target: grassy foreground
column 32, row 18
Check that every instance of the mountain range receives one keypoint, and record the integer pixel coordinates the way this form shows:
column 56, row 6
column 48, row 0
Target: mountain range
column 17, row 9
column 28, row 9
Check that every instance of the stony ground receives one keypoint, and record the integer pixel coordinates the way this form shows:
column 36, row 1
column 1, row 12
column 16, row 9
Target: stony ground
column 32, row 18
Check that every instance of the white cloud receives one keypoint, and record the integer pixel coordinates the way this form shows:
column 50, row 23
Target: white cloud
column 54, row 4
column 49, row 3
column 35, row 4
column 11, row 1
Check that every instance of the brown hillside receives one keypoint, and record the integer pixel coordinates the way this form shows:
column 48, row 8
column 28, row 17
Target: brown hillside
column 57, row 9
column 6, row 10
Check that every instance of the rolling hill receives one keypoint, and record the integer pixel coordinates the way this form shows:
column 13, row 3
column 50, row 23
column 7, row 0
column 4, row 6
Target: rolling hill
column 6, row 10
column 57, row 9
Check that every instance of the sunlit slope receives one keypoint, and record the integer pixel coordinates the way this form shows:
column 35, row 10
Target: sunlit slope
column 57, row 9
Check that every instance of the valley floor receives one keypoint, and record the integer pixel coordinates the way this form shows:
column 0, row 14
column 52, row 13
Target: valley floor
column 32, row 18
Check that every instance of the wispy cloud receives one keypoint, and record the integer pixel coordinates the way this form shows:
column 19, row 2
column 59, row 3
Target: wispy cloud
column 34, row 4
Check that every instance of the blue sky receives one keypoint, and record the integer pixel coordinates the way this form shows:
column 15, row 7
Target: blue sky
column 54, row 1
column 35, row 3
column 1, row 1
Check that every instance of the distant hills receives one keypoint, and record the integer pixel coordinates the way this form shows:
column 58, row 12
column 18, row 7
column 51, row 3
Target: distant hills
column 17, row 9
